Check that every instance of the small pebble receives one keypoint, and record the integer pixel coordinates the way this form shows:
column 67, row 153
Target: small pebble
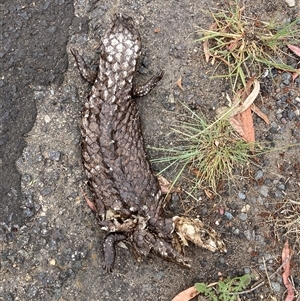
column 46, row 191
column 276, row 286
column 268, row 181
column 243, row 216
column 222, row 259
column 258, row 175
column 69, row 273
column 32, row 291
column 263, row 190
column 249, row 234
column 245, row 208
column 160, row 275
column 228, row 215
column 28, row 213
column 47, row 119
column 204, row 211
column 242, row 195
column 169, row 102
column 269, row 137
column 273, row 130
column 286, row 78
column 260, row 239
column 278, row 194
column 236, row 231
column 281, row 187
column 267, row 257
column 290, row 3
column 54, row 155
column 261, row 267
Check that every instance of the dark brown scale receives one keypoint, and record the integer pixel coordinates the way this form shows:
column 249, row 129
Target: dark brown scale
column 126, row 194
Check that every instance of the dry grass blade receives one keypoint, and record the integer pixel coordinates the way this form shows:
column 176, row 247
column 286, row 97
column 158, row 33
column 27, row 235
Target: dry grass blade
column 259, row 113
column 242, row 100
column 287, row 218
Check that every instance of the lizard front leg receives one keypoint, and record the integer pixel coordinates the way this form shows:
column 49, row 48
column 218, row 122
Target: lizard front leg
column 86, row 72
column 143, row 90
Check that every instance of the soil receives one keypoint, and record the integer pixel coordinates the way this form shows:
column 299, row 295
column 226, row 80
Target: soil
column 51, row 246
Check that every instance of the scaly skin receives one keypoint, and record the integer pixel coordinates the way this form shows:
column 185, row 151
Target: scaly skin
column 126, row 193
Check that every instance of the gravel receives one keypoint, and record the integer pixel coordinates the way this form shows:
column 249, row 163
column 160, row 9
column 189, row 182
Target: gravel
column 263, row 191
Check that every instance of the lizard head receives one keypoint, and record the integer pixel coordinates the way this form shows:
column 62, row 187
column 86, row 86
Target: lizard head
column 191, row 229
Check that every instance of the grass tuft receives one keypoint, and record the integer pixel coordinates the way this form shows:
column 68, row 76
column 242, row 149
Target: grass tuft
column 210, row 151
column 244, row 45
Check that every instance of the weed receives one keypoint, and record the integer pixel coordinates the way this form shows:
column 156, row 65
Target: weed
column 225, row 289
column 244, row 44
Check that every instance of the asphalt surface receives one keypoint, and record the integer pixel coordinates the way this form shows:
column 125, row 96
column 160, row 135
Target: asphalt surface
column 33, row 52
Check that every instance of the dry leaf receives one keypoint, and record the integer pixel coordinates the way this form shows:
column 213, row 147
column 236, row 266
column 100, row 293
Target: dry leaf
column 240, row 114
column 208, row 193
column 259, row 113
column 243, row 124
column 157, row 30
column 166, row 186
column 186, row 295
column 197, row 173
column 295, row 49
column 206, row 50
column 250, row 98
column 179, row 83
column 233, row 45
column 243, row 96
column 237, row 126
column 89, row 203
column 286, row 257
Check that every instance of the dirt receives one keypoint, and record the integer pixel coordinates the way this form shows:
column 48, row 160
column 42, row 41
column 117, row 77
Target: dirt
column 52, row 250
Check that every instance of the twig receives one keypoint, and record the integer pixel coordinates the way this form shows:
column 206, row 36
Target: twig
column 267, row 273
column 294, row 202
